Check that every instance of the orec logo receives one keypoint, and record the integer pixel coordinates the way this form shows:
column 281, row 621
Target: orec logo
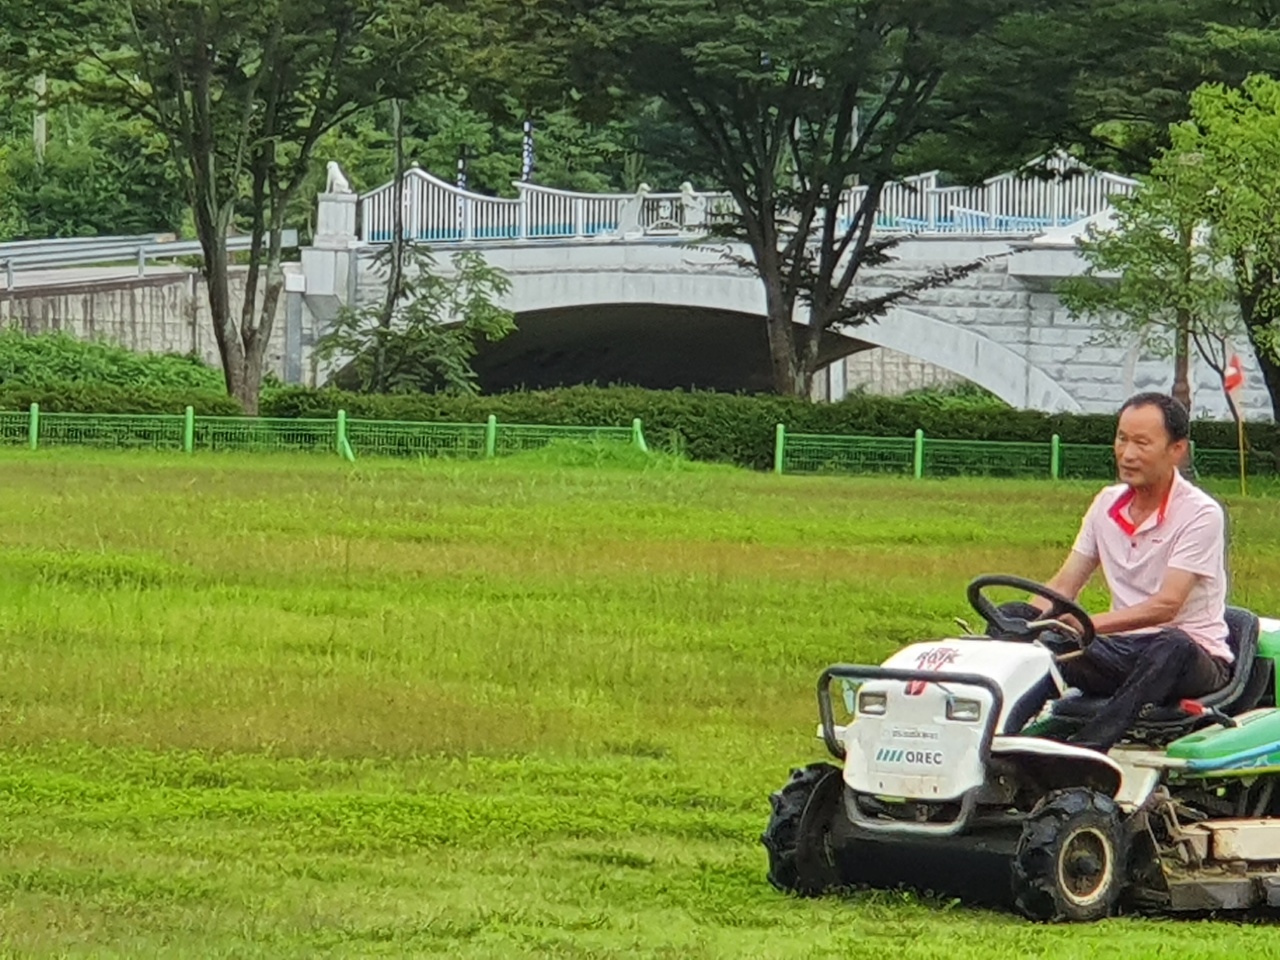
column 918, row 758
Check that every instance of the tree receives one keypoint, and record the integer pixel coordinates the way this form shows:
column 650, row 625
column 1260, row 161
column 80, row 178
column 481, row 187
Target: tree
column 792, row 102
column 101, row 173
column 1145, row 59
column 1157, row 274
column 1196, row 252
column 425, row 336
column 243, row 91
column 1233, row 137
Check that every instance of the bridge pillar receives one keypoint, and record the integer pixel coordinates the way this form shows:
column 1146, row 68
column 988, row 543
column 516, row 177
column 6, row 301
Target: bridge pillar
column 328, row 269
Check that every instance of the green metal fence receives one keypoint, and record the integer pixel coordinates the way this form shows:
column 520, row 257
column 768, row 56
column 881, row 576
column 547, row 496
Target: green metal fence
column 921, row 456
column 917, row 456
column 341, row 435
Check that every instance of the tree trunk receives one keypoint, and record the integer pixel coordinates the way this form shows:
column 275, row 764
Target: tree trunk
column 1182, row 361
column 396, row 280
column 787, row 375
column 257, row 339
column 1256, row 323
column 1266, row 362
column 213, row 241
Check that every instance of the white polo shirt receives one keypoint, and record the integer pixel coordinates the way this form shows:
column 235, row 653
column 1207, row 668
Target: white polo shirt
column 1186, row 533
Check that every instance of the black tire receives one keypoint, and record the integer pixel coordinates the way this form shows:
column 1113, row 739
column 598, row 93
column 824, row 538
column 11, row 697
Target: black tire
column 1070, row 862
column 800, row 858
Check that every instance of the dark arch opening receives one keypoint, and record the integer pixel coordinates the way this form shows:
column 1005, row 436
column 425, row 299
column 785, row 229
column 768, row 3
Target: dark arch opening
column 644, row 345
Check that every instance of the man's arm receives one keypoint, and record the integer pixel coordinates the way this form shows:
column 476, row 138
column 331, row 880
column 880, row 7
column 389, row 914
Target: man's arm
column 1155, row 612
column 1070, row 578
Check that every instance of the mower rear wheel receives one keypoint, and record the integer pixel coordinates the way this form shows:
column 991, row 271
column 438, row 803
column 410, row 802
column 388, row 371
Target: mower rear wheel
column 1070, row 860
column 797, row 838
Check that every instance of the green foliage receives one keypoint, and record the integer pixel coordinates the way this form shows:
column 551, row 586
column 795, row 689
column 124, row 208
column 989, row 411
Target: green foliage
column 1158, row 267
column 705, row 426
column 241, row 92
column 1196, row 249
column 1150, row 57
column 964, row 394
column 111, row 398
column 792, row 102
column 102, row 174
column 428, row 338
column 1233, row 138
column 733, row 428
column 57, row 358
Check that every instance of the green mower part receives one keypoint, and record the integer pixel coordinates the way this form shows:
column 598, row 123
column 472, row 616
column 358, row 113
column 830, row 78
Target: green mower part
column 1254, row 743
column 1269, row 645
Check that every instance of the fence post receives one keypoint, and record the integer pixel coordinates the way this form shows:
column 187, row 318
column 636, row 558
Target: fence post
column 779, row 447
column 491, row 437
column 341, row 438
column 918, row 460
column 1055, row 457
column 33, row 426
column 637, row 435
column 189, row 430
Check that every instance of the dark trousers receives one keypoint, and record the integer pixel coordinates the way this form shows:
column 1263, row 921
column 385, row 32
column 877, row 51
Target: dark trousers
column 1133, row 670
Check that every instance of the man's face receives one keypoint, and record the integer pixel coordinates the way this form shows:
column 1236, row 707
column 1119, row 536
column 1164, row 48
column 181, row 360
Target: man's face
column 1144, row 455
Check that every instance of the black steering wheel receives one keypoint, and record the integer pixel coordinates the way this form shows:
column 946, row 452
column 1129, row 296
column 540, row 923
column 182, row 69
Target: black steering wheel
column 1011, row 625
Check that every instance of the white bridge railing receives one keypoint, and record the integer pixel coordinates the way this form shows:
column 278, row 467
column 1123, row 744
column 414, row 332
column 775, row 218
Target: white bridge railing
column 1010, row 204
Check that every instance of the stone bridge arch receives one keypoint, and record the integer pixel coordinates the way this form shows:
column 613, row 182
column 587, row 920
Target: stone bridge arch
column 597, row 319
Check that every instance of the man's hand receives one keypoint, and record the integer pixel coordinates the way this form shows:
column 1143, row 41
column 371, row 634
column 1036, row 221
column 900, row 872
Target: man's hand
column 1070, row 621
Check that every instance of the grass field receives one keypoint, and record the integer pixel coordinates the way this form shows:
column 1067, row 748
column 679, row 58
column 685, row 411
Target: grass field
column 285, row 707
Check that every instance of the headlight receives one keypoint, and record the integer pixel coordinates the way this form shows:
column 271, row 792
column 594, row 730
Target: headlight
column 873, row 703
column 966, row 711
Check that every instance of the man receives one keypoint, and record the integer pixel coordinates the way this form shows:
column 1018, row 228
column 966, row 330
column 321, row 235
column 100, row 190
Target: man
column 1160, row 543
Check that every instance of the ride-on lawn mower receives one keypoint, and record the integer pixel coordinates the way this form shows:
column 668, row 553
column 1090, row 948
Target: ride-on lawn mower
column 952, row 781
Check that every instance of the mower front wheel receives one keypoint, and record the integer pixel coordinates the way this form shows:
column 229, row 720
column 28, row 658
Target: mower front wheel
column 797, row 838
column 1070, row 862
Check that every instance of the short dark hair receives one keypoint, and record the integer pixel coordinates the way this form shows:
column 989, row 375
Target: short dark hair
column 1176, row 421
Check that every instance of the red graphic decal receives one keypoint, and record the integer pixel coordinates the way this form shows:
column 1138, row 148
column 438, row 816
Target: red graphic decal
column 936, row 659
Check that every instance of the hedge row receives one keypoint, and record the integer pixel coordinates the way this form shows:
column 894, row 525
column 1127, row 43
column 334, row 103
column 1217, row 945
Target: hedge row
column 704, row 425
column 107, row 398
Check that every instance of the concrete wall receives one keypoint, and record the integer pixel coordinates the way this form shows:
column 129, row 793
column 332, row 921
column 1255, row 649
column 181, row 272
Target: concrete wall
column 891, row 372
column 1009, row 302
column 164, row 312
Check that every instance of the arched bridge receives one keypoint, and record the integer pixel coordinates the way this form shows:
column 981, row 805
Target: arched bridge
column 618, row 288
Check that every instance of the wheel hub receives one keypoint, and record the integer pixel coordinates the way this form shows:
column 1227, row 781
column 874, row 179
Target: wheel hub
column 1085, row 866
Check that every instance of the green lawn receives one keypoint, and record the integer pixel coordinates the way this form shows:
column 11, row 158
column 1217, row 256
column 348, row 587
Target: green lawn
column 287, row 707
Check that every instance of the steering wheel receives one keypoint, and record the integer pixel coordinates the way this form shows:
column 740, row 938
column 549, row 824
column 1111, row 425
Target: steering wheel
column 1059, row 605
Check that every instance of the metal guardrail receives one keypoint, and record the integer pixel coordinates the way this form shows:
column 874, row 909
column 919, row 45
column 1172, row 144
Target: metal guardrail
column 1011, row 204
column 88, row 251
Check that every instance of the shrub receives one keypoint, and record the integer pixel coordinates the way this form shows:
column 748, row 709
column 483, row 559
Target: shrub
column 729, row 428
column 109, row 398
column 736, row 428
column 50, row 359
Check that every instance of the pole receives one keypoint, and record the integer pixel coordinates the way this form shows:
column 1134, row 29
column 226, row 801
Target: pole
column 491, row 437
column 33, row 426
column 1240, row 442
column 526, row 153
column 637, row 435
column 918, row 459
column 1055, row 457
column 779, row 447
column 40, row 133
column 189, row 430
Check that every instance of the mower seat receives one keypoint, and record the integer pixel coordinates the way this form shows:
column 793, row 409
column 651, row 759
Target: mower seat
column 1159, row 720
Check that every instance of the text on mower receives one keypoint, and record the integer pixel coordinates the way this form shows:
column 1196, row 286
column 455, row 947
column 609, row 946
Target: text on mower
column 920, row 758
